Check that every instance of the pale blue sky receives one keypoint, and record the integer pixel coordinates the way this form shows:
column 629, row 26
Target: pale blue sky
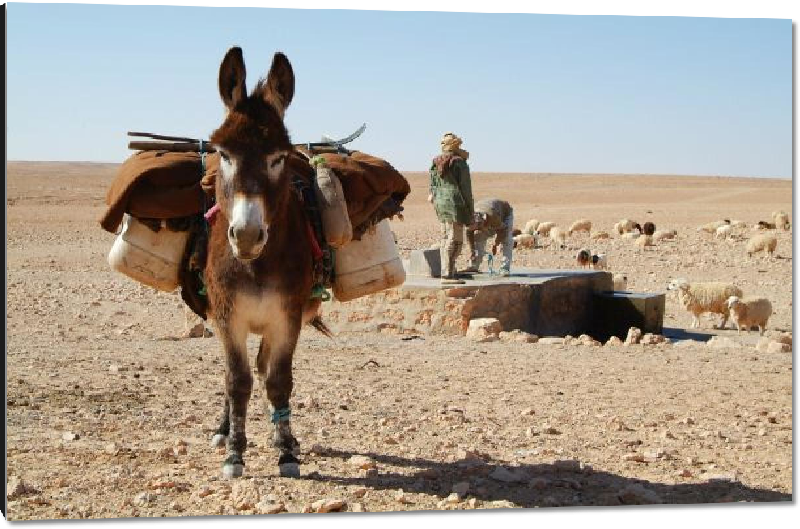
column 528, row 93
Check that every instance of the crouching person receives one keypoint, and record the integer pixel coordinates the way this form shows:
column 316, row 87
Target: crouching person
column 493, row 217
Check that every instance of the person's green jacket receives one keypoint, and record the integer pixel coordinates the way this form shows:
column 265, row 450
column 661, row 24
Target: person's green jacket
column 451, row 188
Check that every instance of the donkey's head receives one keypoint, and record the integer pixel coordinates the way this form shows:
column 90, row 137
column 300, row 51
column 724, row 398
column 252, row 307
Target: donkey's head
column 253, row 144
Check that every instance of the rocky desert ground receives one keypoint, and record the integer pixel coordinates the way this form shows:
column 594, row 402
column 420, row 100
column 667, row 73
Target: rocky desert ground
column 110, row 409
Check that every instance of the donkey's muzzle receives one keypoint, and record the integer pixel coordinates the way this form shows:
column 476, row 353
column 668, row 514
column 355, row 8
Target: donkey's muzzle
column 247, row 241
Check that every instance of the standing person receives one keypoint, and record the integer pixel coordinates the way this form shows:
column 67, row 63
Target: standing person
column 451, row 195
column 492, row 217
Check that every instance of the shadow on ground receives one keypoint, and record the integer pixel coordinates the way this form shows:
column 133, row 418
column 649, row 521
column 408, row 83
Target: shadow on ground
column 675, row 334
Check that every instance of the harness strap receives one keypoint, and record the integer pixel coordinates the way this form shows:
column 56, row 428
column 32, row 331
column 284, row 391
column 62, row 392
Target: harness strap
column 281, row 414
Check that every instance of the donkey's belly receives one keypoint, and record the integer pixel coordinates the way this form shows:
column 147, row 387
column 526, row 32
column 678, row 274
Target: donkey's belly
column 261, row 314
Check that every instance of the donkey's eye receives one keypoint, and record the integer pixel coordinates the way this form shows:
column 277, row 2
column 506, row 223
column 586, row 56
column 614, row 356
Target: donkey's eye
column 277, row 161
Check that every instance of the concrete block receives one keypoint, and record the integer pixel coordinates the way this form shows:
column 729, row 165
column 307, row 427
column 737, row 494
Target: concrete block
column 425, row 263
column 616, row 312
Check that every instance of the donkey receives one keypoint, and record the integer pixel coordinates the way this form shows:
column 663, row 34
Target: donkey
column 259, row 271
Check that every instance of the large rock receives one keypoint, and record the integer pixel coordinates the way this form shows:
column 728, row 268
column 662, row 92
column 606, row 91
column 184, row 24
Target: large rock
column 425, row 263
column 484, row 329
column 634, row 336
column 721, row 342
column 518, row 336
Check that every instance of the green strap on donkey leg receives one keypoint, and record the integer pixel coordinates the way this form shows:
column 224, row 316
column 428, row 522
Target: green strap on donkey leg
column 281, row 414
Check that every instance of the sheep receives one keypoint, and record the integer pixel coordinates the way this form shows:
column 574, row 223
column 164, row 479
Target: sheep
column 738, row 224
column 530, row 227
column 780, row 219
column 525, row 240
column 595, row 261
column 724, row 231
column 764, row 225
column 643, row 241
column 749, row 312
column 762, row 242
column 660, row 235
column 629, row 236
column 596, row 236
column 649, row 228
column 544, row 228
column 711, row 227
column 558, row 238
column 515, row 232
column 620, row 282
column 625, row 226
column 580, row 225
column 698, row 298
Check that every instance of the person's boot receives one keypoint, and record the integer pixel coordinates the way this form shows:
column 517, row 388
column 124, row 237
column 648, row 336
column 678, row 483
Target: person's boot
column 450, row 277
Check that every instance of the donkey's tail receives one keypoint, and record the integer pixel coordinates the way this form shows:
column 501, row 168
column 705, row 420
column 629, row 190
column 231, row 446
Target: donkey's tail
column 319, row 325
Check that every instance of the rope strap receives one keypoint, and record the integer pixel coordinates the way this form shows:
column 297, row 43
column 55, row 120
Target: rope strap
column 281, row 414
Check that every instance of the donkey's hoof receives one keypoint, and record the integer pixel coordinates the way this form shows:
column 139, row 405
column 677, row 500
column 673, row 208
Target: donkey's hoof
column 219, row 440
column 289, row 470
column 233, row 467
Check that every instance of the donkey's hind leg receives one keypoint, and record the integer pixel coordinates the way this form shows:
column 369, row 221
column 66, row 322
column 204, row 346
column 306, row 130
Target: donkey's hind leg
column 238, row 386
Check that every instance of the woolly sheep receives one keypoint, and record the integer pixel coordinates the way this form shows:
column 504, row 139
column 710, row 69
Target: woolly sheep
column 586, row 258
column 649, row 228
column 724, row 231
column 711, row 227
column 749, row 312
column 762, row 242
column 660, row 235
column 620, row 282
column 630, row 235
column 580, row 225
column 625, row 226
column 544, row 228
column 644, row 240
column 780, row 219
column 530, row 227
column 583, row 257
column 698, row 298
column 764, row 225
column 525, row 240
column 558, row 237
column 596, row 236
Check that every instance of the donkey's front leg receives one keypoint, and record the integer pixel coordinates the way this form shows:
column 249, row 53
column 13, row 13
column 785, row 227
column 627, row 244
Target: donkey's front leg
column 238, row 386
column 275, row 365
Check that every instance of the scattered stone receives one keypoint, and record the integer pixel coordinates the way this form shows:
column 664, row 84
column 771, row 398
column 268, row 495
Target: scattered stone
column 328, row 505
column 401, row 497
column 570, row 340
column 527, row 411
column 484, row 329
column 550, row 430
column 634, row 336
column 508, row 476
column 199, row 331
column 502, row 504
column 143, row 499
column 721, row 342
column 205, row 491
column 778, row 347
column 472, row 503
column 666, row 434
column 585, row 339
column 517, row 336
column 636, row 494
column 362, row 462
column 613, row 341
column 552, row 340
column 468, row 455
column 268, row 507
column 357, row 507
column 685, row 473
column 360, row 492
column 633, row 456
column 70, row 436
column 461, row 488
column 245, row 495
column 111, row 449
column 16, row 488
column 688, row 421
column 785, row 337
column 453, row 498
column 653, row 339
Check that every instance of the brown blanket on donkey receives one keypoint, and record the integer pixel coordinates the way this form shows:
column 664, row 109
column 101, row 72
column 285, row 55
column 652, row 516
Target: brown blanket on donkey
column 166, row 185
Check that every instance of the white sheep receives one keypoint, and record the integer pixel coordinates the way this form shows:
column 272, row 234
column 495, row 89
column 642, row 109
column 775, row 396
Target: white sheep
column 525, row 240
column 661, row 235
column 558, row 238
column 580, row 225
column 630, row 235
column 749, row 312
column 620, row 282
column 711, row 227
column 599, row 261
column 544, row 228
column 598, row 235
column 643, row 240
column 624, row 226
column 762, row 242
column 698, row 298
column 738, row 224
column 781, row 219
column 530, row 227
column 724, row 231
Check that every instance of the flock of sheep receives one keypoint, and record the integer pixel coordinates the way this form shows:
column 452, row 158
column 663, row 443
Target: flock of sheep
column 719, row 298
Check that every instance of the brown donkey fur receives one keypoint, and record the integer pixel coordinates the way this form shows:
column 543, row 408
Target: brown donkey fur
column 259, row 271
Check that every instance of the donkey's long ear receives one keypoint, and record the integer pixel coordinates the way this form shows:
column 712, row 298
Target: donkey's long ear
column 231, row 78
column 278, row 89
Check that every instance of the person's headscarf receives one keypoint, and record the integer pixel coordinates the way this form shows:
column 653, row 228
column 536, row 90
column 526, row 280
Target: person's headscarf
column 452, row 144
